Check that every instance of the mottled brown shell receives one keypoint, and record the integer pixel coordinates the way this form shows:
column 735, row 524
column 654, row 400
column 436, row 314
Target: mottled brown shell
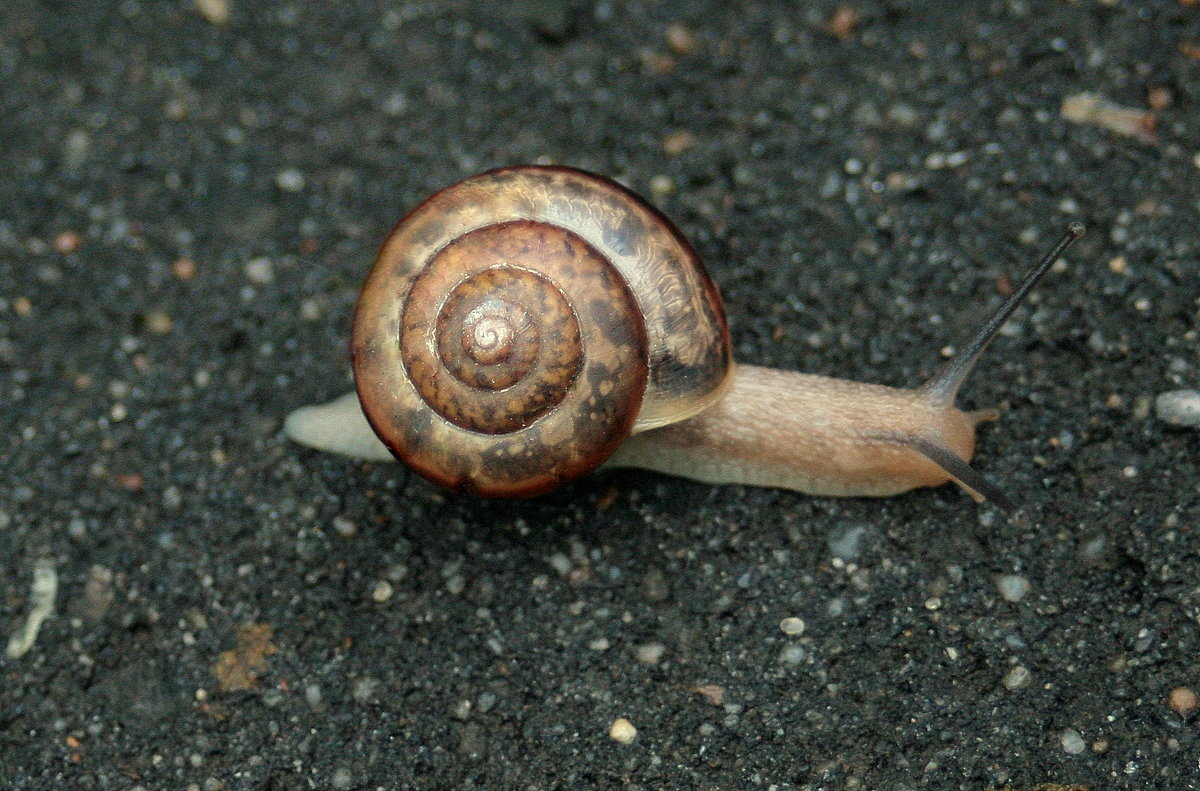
column 519, row 325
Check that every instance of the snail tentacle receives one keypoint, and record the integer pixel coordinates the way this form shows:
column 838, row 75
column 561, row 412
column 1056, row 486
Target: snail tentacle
column 944, row 385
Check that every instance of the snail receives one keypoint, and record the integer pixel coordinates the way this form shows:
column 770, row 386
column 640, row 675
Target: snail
column 526, row 325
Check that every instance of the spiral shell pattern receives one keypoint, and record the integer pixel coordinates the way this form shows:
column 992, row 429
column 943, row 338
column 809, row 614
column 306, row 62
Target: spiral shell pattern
column 507, row 345
column 501, row 346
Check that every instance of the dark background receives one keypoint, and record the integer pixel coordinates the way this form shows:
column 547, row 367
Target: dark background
column 187, row 209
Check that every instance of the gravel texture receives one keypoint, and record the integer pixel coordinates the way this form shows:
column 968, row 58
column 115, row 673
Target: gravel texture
column 188, row 205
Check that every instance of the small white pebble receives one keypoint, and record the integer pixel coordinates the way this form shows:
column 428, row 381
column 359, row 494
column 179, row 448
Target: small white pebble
column 260, row 271
column 792, row 655
column 215, row 11
column 396, row 104
column 289, row 180
column 342, row 778
column 1179, row 408
column 382, row 591
column 78, row 145
column 1072, row 741
column 622, row 731
column 1013, row 587
column 1017, row 677
column 312, row 695
column 344, row 527
column 364, row 689
column 792, row 626
column 560, row 563
column 661, row 186
column 650, row 653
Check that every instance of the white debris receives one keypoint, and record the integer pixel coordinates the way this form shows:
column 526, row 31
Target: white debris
column 260, row 271
column 1013, row 587
column 1179, row 407
column 792, row 626
column 215, row 11
column 1072, row 741
column 41, row 599
column 622, row 731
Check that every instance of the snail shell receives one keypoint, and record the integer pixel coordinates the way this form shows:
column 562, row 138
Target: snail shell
column 519, row 325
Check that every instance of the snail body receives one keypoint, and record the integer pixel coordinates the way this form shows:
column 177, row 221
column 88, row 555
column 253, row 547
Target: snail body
column 850, row 442
column 526, row 325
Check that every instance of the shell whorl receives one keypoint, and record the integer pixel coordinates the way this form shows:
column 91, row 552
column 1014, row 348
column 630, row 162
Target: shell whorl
column 518, row 325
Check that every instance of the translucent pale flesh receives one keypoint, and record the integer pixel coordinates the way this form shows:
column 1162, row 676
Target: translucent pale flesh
column 826, row 437
column 337, row 427
column 811, row 434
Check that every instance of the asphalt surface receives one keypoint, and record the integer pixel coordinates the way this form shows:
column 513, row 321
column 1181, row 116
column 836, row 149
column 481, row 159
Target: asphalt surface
column 187, row 207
